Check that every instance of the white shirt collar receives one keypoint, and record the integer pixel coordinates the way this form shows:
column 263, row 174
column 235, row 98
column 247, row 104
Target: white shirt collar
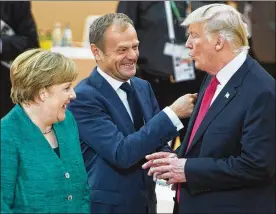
column 231, row 68
column 113, row 82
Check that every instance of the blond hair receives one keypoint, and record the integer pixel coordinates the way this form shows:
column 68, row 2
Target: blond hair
column 36, row 69
column 224, row 20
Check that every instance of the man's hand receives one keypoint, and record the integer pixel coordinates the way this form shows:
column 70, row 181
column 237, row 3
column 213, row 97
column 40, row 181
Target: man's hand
column 170, row 169
column 167, row 166
column 157, row 155
column 184, row 106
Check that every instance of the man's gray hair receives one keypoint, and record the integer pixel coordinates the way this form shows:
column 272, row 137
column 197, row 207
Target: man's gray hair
column 99, row 26
column 224, row 20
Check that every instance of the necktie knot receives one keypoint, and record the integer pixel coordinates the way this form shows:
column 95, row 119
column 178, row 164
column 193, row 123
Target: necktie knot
column 126, row 87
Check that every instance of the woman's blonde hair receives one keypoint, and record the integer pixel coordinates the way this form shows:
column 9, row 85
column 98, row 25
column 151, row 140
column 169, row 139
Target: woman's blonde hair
column 37, row 69
column 224, row 20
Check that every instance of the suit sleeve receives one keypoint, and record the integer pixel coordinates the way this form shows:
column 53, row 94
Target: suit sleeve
column 97, row 129
column 9, row 167
column 256, row 163
column 25, row 33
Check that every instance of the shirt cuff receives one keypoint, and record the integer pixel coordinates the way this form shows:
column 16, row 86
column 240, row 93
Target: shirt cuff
column 173, row 117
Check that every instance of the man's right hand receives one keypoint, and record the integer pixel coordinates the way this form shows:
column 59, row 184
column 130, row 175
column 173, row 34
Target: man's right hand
column 184, row 106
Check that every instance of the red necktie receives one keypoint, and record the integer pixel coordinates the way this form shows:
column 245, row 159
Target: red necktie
column 205, row 104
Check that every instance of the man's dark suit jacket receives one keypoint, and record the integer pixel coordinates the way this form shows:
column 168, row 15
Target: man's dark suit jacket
column 112, row 149
column 230, row 164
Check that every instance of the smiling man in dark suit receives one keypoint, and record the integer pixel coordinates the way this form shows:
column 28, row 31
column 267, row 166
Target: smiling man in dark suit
column 120, row 122
column 226, row 163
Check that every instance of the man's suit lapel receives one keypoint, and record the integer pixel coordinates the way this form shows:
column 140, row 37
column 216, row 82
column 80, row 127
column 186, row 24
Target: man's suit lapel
column 108, row 92
column 225, row 96
column 193, row 117
column 220, row 102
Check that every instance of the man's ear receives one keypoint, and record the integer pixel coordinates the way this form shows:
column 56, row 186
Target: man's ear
column 96, row 52
column 220, row 42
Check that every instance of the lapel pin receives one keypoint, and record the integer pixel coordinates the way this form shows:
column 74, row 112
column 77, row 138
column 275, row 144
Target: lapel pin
column 227, row 95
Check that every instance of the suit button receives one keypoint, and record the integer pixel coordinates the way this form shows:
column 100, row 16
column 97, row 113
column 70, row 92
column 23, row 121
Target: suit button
column 70, row 197
column 67, row 175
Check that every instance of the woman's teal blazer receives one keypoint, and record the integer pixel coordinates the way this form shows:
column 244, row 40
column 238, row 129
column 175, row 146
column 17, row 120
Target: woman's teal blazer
column 33, row 178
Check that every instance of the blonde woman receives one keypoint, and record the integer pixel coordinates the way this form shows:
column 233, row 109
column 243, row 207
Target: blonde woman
column 42, row 169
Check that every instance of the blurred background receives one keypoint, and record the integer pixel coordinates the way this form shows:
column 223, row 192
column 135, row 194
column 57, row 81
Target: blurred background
column 54, row 17
column 63, row 26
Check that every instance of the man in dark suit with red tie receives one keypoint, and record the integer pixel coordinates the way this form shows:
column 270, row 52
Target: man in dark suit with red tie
column 226, row 163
